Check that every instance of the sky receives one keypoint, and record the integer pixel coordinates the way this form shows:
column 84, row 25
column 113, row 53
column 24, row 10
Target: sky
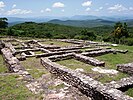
column 65, row 8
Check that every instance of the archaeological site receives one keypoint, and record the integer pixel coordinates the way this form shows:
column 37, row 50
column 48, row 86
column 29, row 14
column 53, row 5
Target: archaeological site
column 67, row 69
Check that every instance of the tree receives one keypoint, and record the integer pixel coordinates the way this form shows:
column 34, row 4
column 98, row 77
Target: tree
column 3, row 22
column 87, row 35
column 120, row 30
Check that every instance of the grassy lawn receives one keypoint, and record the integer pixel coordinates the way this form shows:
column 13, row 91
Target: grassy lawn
column 104, row 78
column 58, row 43
column 2, row 65
column 112, row 59
column 74, row 64
column 34, row 67
column 11, row 88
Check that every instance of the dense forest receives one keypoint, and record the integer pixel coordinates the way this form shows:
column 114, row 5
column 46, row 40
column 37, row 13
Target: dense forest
column 120, row 33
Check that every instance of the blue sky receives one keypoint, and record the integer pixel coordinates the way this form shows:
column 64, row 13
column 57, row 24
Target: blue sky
column 34, row 8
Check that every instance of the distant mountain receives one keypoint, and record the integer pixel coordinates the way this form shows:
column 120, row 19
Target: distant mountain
column 77, row 20
column 83, row 17
column 83, row 23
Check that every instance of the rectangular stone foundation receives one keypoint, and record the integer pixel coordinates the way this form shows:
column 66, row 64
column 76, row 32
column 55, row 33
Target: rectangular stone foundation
column 85, row 84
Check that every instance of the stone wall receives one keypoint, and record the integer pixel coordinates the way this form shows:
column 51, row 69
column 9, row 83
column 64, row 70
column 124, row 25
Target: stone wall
column 85, row 84
column 57, row 53
column 125, row 68
column 89, row 60
column 98, row 53
column 123, row 84
column 13, row 64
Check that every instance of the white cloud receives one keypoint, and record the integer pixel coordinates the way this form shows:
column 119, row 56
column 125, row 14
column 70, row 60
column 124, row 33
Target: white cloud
column 87, row 3
column 18, row 11
column 13, row 6
column 58, row 5
column 42, row 11
column 117, row 7
column 130, row 8
column 2, row 4
column 87, row 9
column 100, row 8
column 62, row 10
column 48, row 10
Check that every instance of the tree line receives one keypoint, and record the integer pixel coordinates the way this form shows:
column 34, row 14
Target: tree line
column 120, row 33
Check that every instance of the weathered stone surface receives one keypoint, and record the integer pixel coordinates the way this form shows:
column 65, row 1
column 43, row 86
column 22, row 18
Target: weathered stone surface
column 125, row 68
column 98, row 53
column 61, row 57
column 2, row 45
column 57, row 53
column 13, row 64
column 85, row 84
column 123, row 84
column 89, row 60
column 9, row 45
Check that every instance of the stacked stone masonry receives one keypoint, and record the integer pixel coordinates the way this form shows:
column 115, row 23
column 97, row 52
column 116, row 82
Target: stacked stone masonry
column 85, row 84
column 123, row 84
column 125, row 68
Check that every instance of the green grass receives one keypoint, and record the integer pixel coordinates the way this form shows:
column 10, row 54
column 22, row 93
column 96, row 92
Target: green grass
column 58, row 43
column 112, row 59
column 104, row 78
column 74, row 64
column 39, row 52
column 13, row 89
column 129, row 92
column 34, row 67
column 2, row 65
column 109, row 78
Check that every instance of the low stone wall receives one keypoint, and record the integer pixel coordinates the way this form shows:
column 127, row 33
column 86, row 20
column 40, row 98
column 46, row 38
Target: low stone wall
column 123, row 84
column 61, row 57
column 89, row 60
column 125, row 68
column 70, row 48
column 45, row 46
column 57, row 53
column 9, row 45
column 13, row 64
column 98, row 53
column 25, row 50
column 85, row 84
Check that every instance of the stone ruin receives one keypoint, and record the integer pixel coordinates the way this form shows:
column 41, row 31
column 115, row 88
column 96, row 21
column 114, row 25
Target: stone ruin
column 50, row 54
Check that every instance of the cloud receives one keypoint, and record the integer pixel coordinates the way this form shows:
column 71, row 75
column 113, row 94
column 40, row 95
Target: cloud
column 18, row 11
column 42, row 11
column 48, row 10
column 13, row 6
column 63, row 10
column 58, row 5
column 87, row 3
column 100, row 8
column 87, row 9
column 118, row 7
column 2, row 4
column 130, row 8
